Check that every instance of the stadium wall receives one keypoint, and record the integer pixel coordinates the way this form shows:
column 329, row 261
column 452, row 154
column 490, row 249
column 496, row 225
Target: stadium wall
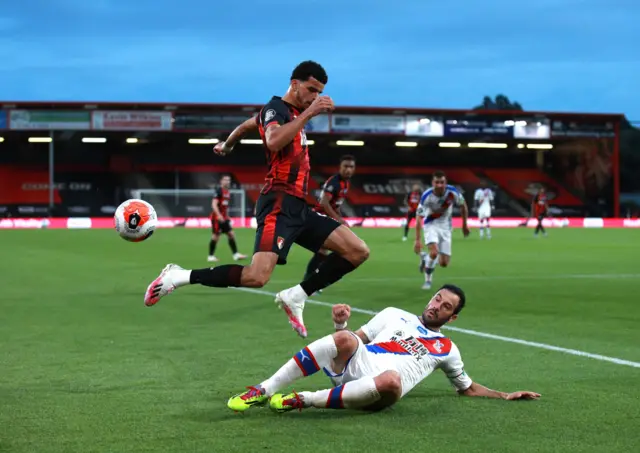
column 377, row 222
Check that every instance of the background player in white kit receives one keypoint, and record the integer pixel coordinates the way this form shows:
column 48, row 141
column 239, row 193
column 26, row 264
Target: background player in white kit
column 435, row 212
column 374, row 367
column 483, row 199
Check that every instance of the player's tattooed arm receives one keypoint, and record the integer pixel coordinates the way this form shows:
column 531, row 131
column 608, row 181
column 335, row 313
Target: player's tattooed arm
column 247, row 127
column 278, row 136
column 479, row 390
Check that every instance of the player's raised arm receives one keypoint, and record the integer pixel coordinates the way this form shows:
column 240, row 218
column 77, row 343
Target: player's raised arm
column 341, row 314
column 278, row 133
column 236, row 135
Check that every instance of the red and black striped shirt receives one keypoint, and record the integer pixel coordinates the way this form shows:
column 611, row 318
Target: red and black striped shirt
column 223, row 196
column 413, row 200
column 288, row 167
column 540, row 204
column 337, row 187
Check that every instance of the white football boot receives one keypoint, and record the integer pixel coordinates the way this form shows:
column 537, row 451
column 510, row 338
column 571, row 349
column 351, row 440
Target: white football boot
column 292, row 302
column 161, row 286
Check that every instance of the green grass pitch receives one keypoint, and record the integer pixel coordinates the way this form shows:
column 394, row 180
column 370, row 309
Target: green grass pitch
column 86, row 367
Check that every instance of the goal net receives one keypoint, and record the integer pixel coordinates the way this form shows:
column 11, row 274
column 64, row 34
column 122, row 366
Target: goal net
column 190, row 202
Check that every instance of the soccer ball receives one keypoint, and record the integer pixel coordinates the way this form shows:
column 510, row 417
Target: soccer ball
column 135, row 220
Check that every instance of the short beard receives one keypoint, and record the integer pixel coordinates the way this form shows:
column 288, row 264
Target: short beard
column 429, row 323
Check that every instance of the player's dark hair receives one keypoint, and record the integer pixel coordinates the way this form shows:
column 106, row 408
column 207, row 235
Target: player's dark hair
column 307, row 69
column 347, row 157
column 439, row 174
column 458, row 292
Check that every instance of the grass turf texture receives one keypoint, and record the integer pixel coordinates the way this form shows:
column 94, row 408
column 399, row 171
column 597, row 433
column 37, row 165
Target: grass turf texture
column 85, row 367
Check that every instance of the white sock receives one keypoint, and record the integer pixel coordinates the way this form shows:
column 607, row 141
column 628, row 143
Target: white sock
column 181, row 277
column 299, row 293
column 430, row 264
column 308, row 361
column 488, row 232
column 352, row 395
column 481, row 231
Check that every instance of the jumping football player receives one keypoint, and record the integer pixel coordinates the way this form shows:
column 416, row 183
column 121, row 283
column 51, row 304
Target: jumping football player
column 540, row 210
column 483, row 200
column 220, row 222
column 282, row 213
column 334, row 192
column 435, row 212
column 412, row 201
column 375, row 366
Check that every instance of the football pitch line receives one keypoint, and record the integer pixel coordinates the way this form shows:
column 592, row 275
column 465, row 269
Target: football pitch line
column 418, row 278
column 477, row 333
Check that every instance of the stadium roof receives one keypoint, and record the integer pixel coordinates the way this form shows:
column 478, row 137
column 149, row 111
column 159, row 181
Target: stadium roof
column 209, row 107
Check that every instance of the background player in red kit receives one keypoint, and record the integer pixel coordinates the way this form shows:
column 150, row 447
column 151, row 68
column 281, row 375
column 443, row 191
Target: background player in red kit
column 334, row 192
column 220, row 222
column 412, row 201
column 540, row 209
column 282, row 213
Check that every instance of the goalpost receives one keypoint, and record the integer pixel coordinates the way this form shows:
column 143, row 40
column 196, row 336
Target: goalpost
column 191, row 202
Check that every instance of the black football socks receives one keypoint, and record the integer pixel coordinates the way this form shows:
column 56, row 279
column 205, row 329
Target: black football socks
column 314, row 264
column 233, row 246
column 218, row 277
column 330, row 271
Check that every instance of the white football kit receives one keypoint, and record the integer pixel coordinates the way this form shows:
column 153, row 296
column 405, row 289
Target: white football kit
column 400, row 342
column 437, row 212
column 484, row 197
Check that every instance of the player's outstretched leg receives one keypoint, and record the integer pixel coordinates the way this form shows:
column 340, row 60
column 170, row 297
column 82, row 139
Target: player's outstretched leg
column 368, row 393
column 256, row 275
column 311, row 359
column 349, row 252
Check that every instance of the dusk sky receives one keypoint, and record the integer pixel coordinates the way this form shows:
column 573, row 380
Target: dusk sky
column 559, row 55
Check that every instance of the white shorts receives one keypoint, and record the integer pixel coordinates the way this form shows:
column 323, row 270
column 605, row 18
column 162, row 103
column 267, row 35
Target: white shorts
column 364, row 363
column 439, row 236
column 484, row 213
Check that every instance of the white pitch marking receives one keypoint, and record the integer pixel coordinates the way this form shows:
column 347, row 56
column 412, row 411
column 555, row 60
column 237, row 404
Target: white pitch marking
column 476, row 333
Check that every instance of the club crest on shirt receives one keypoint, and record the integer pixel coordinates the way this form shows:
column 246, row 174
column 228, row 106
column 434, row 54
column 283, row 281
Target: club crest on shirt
column 269, row 115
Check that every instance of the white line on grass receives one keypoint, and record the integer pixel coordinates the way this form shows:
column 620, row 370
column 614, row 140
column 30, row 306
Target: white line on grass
column 476, row 333
column 490, row 277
